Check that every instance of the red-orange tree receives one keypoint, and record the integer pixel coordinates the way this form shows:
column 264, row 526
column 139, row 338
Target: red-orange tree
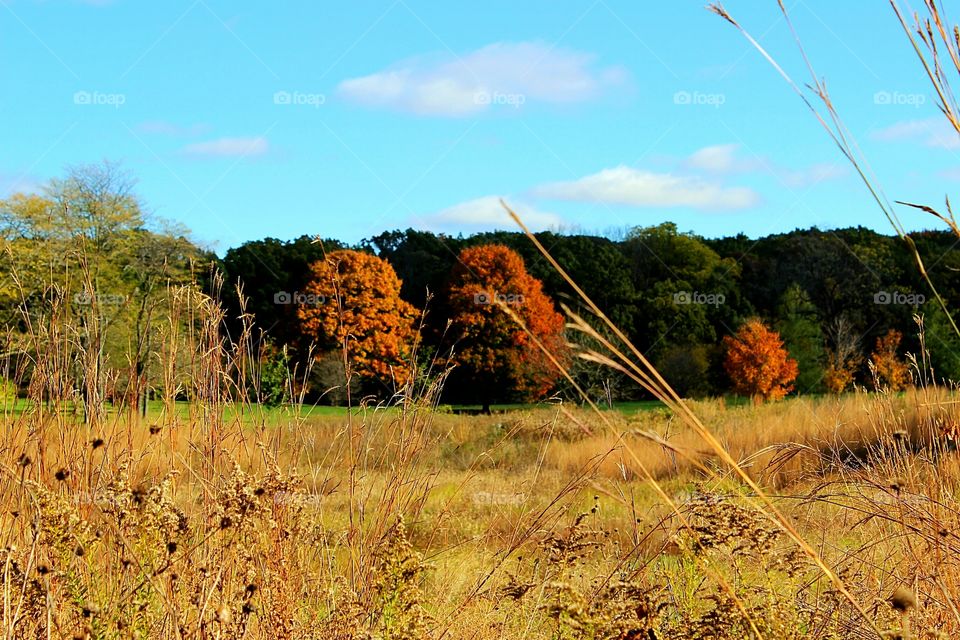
column 757, row 363
column 352, row 301
column 496, row 359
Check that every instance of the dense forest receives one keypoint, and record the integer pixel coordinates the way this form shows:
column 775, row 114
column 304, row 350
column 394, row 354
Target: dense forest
column 831, row 294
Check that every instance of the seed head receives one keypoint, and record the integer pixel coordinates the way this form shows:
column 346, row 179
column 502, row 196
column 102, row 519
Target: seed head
column 903, row 599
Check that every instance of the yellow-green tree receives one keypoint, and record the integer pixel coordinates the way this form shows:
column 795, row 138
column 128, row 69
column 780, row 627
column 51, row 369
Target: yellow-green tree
column 80, row 250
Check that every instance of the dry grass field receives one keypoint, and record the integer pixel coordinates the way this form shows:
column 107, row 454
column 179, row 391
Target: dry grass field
column 409, row 522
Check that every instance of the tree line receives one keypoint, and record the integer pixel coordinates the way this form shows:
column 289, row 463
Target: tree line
column 413, row 305
column 831, row 295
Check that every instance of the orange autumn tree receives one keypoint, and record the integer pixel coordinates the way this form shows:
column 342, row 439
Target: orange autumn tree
column 887, row 367
column 757, row 363
column 352, row 302
column 496, row 359
column 838, row 375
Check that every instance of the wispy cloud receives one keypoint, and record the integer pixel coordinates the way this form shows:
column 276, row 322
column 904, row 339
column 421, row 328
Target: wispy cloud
column 727, row 159
column 931, row 132
column 504, row 75
column 11, row 183
column 639, row 188
column 164, row 128
column 814, row 174
column 488, row 213
column 721, row 159
column 952, row 173
column 229, row 147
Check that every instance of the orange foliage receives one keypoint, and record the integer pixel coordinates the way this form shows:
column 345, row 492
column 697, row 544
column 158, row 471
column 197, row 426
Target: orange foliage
column 353, row 301
column 495, row 351
column 757, row 363
column 838, row 375
column 889, row 370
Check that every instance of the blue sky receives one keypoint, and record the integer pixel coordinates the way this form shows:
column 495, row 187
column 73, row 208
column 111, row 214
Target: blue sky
column 249, row 119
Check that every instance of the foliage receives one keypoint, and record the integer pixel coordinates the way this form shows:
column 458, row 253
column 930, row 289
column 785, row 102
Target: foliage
column 802, row 336
column 844, row 358
column 603, row 384
column 494, row 355
column 8, row 391
column 889, row 370
column 652, row 281
column 83, row 250
column 686, row 368
column 329, row 379
column 352, row 302
column 273, row 384
column 942, row 344
column 421, row 259
column 686, row 288
column 757, row 363
column 267, row 272
column 838, row 376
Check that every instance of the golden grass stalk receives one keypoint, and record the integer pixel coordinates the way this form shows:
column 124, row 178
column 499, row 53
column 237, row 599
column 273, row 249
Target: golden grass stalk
column 655, row 383
column 841, row 136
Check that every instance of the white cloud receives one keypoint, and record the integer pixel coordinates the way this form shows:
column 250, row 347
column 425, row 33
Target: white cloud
column 501, row 75
column 229, row 147
column 639, row 188
column 931, row 132
column 488, row 213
